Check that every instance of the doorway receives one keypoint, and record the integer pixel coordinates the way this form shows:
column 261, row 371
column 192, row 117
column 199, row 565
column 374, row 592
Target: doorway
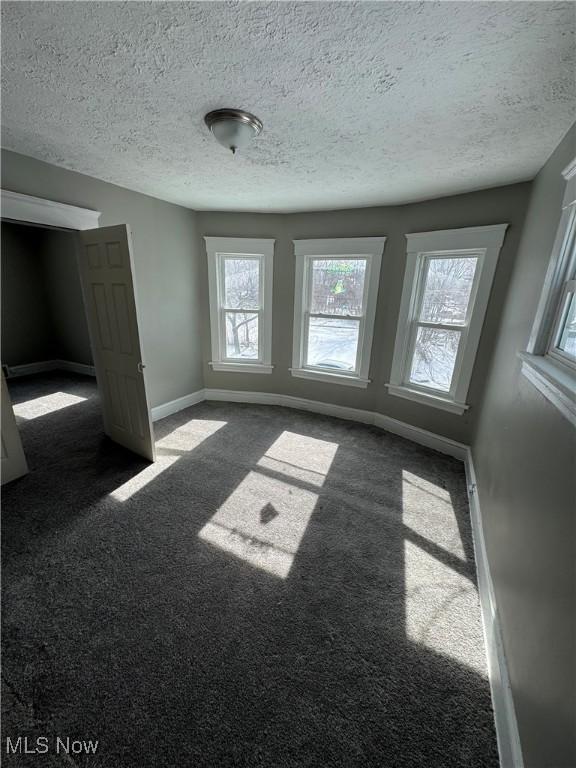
column 47, row 358
column 74, row 289
column 43, row 314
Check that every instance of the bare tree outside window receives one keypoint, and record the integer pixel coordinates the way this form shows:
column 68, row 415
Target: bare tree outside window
column 444, row 303
column 434, row 357
column 242, row 293
column 447, row 290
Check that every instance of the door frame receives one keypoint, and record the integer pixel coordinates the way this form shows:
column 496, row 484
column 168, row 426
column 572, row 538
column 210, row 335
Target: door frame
column 36, row 210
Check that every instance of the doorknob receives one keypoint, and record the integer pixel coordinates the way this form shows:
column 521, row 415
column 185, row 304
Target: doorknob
column 141, row 367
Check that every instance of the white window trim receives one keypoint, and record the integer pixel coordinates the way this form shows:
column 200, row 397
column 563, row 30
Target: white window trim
column 553, row 376
column 248, row 247
column 484, row 242
column 553, row 380
column 546, row 311
column 370, row 248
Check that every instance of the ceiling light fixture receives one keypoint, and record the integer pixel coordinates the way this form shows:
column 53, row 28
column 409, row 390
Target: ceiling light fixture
column 233, row 128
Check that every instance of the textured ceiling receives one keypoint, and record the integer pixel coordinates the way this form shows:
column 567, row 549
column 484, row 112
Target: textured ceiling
column 363, row 103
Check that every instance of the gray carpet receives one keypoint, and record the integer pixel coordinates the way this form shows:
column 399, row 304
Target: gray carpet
column 282, row 589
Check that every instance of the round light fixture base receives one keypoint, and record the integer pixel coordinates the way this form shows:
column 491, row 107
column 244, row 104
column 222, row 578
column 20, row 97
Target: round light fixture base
column 233, row 128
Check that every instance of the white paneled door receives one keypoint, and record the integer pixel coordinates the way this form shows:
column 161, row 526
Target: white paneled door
column 13, row 460
column 106, row 272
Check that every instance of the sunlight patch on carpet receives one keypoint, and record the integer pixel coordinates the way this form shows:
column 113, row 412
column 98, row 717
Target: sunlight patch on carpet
column 428, row 510
column 303, row 458
column 40, row 406
column 169, row 449
column 190, row 435
column 245, row 526
column 265, row 518
column 440, row 605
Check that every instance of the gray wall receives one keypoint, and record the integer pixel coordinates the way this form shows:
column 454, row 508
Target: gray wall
column 494, row 206
column 27, row 325
column 166, row 258
column 62, row 279
column 525, row 456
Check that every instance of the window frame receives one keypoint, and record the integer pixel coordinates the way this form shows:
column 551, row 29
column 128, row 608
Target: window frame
column 554, row 350
column 484, row 243
column 543, row 364
column 306, row 252
column 462, row 328
column 218, row 249
column 567, row 287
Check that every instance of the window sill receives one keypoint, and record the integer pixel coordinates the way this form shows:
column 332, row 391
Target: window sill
column 435, row 401
column 553, row 380
column 241, row 367
column 330, row 378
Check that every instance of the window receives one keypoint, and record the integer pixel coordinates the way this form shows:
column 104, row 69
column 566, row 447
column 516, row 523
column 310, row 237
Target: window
column 334, row 308
column 447, row 283
column 240, row 288
column 550, row 359
column 562, row 344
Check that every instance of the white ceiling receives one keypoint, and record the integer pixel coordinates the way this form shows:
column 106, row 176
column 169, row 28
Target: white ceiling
column 363, row 103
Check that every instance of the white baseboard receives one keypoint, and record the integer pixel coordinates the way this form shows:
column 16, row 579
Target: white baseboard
column 417, row 435
column 43, row 366
column 167, row 409
column 422, row 436
column 504, row 713
column 301, row 404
